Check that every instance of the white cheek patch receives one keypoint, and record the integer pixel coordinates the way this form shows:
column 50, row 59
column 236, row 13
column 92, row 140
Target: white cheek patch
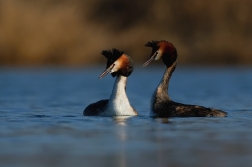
column 113, row 70
column 116, row 67
column 158, row 56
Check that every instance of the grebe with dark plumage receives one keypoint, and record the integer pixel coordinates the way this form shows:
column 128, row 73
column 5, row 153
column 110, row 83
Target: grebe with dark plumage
column 161, row 104
column 120, row 66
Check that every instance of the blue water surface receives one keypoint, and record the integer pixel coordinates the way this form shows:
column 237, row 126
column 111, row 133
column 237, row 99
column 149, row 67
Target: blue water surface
column 42, row 123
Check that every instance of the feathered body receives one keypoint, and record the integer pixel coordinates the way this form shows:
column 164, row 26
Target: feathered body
column 161, row 104
column 120, row 66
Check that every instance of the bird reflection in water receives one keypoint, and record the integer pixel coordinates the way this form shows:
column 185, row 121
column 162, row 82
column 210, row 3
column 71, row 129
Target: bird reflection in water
column 122, row 136
column 121, row 120
column 163, row 120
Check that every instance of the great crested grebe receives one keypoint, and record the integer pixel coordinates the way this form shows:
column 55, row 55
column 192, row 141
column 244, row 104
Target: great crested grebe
column 120, row 66
column 161, row 104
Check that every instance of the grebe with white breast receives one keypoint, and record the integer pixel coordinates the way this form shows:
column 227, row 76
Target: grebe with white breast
column 120, row 66
column 161, row 104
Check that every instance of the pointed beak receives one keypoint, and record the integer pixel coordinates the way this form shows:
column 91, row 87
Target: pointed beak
column 108, row 70
column 150, row 60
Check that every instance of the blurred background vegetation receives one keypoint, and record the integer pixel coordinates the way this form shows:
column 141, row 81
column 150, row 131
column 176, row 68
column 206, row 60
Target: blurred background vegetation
column 74, row 32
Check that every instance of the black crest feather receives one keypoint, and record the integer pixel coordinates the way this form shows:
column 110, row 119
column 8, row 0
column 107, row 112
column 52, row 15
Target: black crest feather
column 151, row 43
column 112, row 55
column 154, row 43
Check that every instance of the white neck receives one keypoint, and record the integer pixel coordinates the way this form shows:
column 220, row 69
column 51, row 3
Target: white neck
column 118, row 102
column 161, row 92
